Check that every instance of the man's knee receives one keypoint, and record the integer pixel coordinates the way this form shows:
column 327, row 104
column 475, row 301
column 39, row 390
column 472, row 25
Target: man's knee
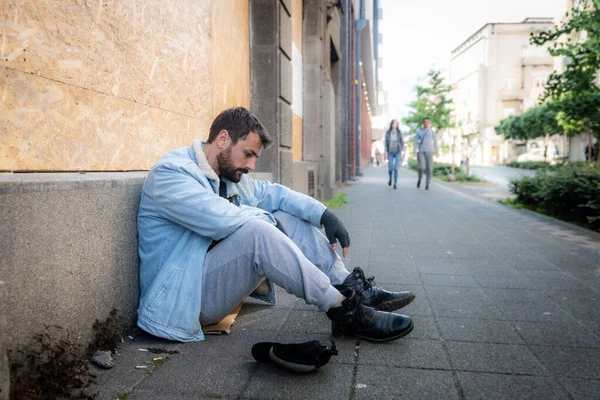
column 258, row 228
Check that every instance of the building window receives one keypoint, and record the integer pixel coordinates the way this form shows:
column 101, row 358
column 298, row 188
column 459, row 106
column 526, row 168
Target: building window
column 510, row 83
column 509, row 111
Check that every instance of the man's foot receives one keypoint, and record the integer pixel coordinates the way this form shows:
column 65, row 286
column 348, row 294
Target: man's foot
column 356, row 319
column 427, row 187
column 373, row 296
column 390, row 182
column 418, row 183
column 395, row 187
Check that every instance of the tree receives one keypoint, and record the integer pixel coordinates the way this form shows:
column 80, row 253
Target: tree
column 539, row 121
column 574, row 91
column 434, row 102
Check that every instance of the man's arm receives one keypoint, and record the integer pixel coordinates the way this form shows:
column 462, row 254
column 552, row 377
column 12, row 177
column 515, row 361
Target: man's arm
column 435, row 142
column 180, row 198
column 272, row 197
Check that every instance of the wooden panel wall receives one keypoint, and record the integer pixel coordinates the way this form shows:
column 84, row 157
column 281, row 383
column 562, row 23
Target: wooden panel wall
column 112, row 85
column 231, row 54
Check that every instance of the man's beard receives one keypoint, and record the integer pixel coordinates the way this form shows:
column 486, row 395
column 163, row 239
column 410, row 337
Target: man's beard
column 226, row 168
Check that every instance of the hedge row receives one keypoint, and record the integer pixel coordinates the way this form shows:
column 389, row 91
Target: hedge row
column 438, row 168
column 529, row 164
column 571, row 192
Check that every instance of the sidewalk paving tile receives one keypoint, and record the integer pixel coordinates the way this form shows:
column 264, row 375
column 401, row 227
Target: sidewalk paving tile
column 424, row 326
column 332, row 381
column 484, row 386
column 202, row 377
column 569, row 362
column 499, row 358
column 557, row 334
column 449, row 280
column 307, row 321
column 403, row 383
column 505, row 282
column 476, row 330
column 410, row 353
column 583, row 389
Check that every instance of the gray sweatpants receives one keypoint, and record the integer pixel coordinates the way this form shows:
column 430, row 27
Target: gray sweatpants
column 303, row 264
column 425, row 159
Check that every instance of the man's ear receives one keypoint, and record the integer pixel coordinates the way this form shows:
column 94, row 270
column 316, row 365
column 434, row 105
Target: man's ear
column 223, row 139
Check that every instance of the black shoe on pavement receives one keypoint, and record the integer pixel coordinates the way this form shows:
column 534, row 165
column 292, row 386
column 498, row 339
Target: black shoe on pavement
column 427, row 187
column 297, row 357
column 390, row 182
column 395, row 187
column 356, row 319
column 372, row 296
column 418, row 183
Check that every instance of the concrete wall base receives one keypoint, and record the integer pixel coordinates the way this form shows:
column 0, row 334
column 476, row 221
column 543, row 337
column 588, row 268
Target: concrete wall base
column 69, row 251
column 4, row 368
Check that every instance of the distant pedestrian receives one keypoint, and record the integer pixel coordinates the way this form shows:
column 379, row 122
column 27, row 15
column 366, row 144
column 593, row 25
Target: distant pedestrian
column 394, row 143
column 425, row 144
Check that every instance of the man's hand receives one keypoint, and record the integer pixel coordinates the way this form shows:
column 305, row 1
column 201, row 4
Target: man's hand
column 335, row 230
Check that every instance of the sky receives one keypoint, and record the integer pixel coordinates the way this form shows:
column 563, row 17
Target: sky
column 420, row 34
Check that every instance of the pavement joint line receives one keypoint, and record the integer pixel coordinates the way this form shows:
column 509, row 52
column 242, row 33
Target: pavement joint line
column 455, row 380
column 524, row 344
column 469, row 370
column 355, row 365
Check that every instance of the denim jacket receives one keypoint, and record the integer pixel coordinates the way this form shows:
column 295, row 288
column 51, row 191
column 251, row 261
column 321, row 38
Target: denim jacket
column 179, row 216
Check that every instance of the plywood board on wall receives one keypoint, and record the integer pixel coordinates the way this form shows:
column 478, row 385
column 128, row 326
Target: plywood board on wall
column 155, row 52
column 231, row 54
column 48, row 126
column 102, row 85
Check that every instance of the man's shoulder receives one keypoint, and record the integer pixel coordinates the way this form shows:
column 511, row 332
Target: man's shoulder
column 181, row 158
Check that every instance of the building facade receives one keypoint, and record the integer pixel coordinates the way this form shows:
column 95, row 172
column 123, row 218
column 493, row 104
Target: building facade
column 93, row 96
column 496, row 73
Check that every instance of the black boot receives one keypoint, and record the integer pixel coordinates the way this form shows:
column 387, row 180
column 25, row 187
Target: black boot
column 390, row 182
column 418, row 183
column 373, row 296
column 356, row 319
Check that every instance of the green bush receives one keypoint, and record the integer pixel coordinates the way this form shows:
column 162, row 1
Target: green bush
column 529, row 164
column 442, row 170
column 571, row 192
column 543, row 165
column 438, row 168
column 413, row 164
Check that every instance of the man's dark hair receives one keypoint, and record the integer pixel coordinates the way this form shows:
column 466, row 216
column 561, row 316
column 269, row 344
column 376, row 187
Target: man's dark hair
column 239, row 122
column 426, row 119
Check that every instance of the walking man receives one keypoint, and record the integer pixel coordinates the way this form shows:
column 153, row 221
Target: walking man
column 425, row 144
column 394, row 143
column 209, row 235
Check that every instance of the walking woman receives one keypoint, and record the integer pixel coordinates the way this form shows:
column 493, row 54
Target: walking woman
column 394, row 143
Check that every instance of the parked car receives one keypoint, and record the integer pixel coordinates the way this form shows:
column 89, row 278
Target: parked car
column 534, row 154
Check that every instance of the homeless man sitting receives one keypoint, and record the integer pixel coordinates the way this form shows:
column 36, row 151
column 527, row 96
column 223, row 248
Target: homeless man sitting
column 209, row 234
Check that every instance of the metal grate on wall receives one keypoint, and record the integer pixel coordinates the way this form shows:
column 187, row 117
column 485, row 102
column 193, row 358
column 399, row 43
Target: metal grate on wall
column 311, row 183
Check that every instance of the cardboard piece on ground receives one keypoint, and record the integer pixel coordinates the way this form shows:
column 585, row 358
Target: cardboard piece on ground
column 224, row 325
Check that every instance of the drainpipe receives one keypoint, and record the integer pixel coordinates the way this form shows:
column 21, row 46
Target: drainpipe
column 360, row 25
column 344, row 107
column 352, row 133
